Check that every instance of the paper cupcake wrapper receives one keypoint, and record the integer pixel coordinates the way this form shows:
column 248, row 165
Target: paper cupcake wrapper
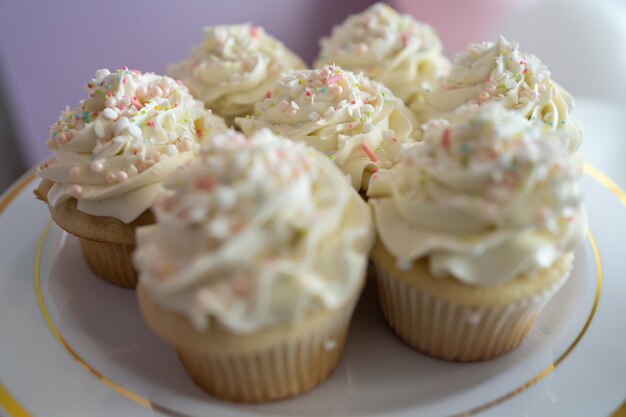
column 287, row 369
column 456, row 332
column 110, row 261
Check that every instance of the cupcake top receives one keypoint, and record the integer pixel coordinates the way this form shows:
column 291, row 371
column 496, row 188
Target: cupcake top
column 256, row 232
column 394, row 49
column 233, row 67
column 355, row 121
column 500, row 72
column 113, row 150
column 484, row 199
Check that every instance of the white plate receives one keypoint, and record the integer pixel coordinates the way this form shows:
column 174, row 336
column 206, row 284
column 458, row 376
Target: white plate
column 73, row 345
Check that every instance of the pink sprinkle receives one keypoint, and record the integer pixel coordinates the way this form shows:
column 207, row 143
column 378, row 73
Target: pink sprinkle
column 267, row 95
column 445, row 139
column 198, row 132
column 394, row 139
column 333, row 79
column 124, row 81
column 308, row 93
column 403, row 37
column 135, row 102
column 254, row 32
column 205, row 184
column 150, row 123
column 368, row 152
column 125, row 68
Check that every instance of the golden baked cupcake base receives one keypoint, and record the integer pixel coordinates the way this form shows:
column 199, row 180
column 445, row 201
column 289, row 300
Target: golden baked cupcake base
column 106, row 243
column 277, row 363
column 446, row 319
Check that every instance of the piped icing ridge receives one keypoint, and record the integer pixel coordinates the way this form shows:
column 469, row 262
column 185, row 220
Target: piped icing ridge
column 256, row 232
column 355, row 121
column 112, row 151
column 484, row 199
column 394, row 49
column 499, row 71
column 233, row 67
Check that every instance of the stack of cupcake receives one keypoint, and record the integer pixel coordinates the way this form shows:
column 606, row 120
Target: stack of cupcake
column 458, row 181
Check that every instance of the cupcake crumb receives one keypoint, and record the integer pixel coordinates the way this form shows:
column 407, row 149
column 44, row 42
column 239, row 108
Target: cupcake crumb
column 330, row 345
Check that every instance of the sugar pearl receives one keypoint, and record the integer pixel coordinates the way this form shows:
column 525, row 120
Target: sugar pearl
column 101, row 73
column 185, row 145
column 155, row 156
column 61, row 138
column 111, row 178
column 134, row 130
column 76, row 172
column 110, row 102
column 121, row 176
column 97, row 165
column 109, row 113
column 156, row 91
column 76, row 191
column 484, row 95
column 141, row 91
column 490, row 87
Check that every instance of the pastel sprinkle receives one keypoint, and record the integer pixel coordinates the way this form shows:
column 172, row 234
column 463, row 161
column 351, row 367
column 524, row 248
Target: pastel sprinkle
column 368, row 152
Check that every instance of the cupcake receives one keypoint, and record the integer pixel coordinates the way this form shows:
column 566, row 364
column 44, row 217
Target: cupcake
column 254, row 266
column 476, row 231
column 355, row 121
column 110, row 155
column 233, row 68
column 403, row 54
column 499, row 72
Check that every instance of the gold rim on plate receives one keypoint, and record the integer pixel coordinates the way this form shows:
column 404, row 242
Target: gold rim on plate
column 15, row 409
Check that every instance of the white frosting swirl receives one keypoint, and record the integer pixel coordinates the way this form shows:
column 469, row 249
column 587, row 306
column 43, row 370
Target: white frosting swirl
column 255, row 233
column 500, row 72
column 233, row 67
column 357, row 122
column 112, row 151
column 394, row 49
column 485, row 199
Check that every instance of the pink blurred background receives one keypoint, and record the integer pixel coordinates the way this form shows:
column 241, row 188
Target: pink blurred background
column 48, row 50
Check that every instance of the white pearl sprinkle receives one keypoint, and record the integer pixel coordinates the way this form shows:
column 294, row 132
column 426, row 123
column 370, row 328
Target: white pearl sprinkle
column 76, row 172
column 171, row 149
column 76, row 191
column 110, row 177
column 109, row 113
column 134, row 130
column 121, row 176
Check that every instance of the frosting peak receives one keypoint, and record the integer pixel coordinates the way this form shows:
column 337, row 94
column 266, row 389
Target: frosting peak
column 485, row 198
column 394, row 49
column 254, row 233
column 498, row 71
column 115, row 147
column 233, row 67
column 357, row 122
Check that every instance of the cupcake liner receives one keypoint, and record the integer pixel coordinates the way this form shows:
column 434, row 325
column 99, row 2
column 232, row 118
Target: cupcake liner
column 456, row 332
column 290, row 367
column 110, row 261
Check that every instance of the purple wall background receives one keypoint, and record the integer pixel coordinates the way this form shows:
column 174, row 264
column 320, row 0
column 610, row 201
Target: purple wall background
column 49, row 49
